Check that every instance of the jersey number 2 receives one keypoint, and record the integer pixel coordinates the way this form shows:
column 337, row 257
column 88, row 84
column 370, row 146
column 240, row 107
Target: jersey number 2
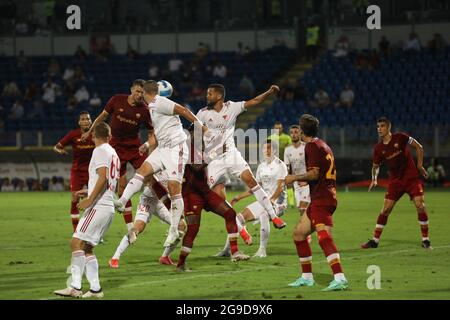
column 331, row 173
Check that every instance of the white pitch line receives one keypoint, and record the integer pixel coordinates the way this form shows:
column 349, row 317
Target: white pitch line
column 253, row 269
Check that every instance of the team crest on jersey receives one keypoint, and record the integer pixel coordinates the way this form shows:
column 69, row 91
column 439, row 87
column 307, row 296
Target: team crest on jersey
column 210, row 120
column 384, row 152
column 138, row 115
column 225, row 117
column 396, row 145
column 121, row 110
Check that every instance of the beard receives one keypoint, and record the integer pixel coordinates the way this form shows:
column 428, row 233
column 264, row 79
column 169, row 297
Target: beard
column 210, row 105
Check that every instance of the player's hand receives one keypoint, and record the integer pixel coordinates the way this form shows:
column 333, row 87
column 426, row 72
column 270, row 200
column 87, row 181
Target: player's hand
column 84, row 204
column 81, row 194
column 373, row 184
column 60, row 151
column 274, row 89
column 143, row 149
column 423, row 172
column 234, row 201
column 289, row 179
column 85, row 135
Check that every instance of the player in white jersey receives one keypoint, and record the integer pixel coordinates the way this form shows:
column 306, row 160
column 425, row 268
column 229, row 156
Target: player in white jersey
column 104, row 173
column 170, row 155
column 270, row 175
column 149, row 205
column 225, row 158
column 294, row 157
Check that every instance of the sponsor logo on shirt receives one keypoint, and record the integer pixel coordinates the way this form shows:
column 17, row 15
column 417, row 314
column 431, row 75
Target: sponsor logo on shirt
column 394, row 155
column 129, row 121
column 138, row 115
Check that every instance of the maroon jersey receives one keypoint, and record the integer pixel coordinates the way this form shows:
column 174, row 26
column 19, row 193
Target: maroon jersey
column 82, row 150
column 194, row 180
column 126, row 120
column 397, row 156
column 319, row 155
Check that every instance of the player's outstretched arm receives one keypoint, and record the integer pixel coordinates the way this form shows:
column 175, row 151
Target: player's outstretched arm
column 311, row 175
column 375, row 171
column 188, row 115
column 101, row 117
column 419, row 154
column 241, row 196
column 274, row 89
column 99, row 187
column 58, row 148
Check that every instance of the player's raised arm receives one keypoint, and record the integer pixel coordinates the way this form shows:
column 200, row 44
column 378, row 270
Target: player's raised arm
column 188, row 115
column 98, row 188
column 101, row 117
column 375, row 172
column 274, row 89
column 419, row 153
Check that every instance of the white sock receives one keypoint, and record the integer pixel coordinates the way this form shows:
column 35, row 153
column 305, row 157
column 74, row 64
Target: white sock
column 227, row 246
column 264, row 230
column 264, row 200
column 77, row 268
column 240, row 221
column 176, row 208
column 163, row 213
column 121, row 248
column 133, row 186
column 92, row 272
column 307, row 276
column 339, row 277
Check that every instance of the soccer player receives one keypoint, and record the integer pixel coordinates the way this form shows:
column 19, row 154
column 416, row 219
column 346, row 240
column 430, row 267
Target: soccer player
column 321, row 176
column 149, row 205
column 82, row 152
column 170, row 155
column 220, row 117
column 294, row 157
column 403, row 178
column 198, row 196
column 270, row 175
column 104, row 170
column 128, row 113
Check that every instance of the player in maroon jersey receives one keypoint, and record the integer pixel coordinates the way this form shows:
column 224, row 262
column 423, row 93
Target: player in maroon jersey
column 198, row 196
column 82, row 152
column 403, row 178
column 128, row 113
column 321, row 176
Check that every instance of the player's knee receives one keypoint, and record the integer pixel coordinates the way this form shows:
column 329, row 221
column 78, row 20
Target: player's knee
column 420, row 205
column 299, row 233
column 323, row 235
column 192, row 218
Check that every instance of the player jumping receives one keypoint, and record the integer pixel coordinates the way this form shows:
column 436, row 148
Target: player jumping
column 403, row 178
column 321, row 176
column 82, row 152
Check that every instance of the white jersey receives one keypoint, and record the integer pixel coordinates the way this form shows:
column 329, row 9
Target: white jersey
column 221, row 125
column 168, row 128
column 268, row 175
column 104, row 156
column 295, row 158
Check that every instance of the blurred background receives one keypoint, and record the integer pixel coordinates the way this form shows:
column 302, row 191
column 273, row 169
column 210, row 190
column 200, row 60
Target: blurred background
column 325, row 60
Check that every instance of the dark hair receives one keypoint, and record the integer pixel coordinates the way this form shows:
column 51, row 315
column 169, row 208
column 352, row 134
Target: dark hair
column 385, row 120
column 278, row 122
column 219, row 88
column 138, row 82
column 309, row 125
column 294, row 126
column 273, row 144
column 102, row 130
column 82, row 113
column 151, row 87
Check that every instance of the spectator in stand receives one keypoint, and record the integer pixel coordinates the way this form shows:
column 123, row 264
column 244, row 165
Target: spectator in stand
column 132, row 54
column 50, row 91
column 56, row 185
column 219, row 70
column 281, row 138
column 197, row 92
column 321, row 99
column 202, row 51
column 153, row 71
column 342, row 46
column 69, row 73
column 78, row 75
column 37, row 111
column 11, row 90
column 80, row 54
column 17, row 111
column 437, row 44
column 7, row 185
column 72, row 104
column 31, row 92
column 362, row 61
column 240, row 49
column 346, row 98
column 175, row 64
column 412, row 45
column 95, row 102
column 53, row 69
column 246, row 86
column 436, row 173
column 82, row 94
column 22, row 61
column 384, row 46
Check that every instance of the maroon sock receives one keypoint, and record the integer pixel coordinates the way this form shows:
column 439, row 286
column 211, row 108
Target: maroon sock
column 381, row 222
column 329, row 249
column 423, row 221
column 305, row 255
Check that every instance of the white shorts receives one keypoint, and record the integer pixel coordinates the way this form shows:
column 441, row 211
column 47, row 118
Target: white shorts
column 258, row 210
column 302, row 194
column 94, row 224
column 231, row 163
column 150, row 205
column 171, row 160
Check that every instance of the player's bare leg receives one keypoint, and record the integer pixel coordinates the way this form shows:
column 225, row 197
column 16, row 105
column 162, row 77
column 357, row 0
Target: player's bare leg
column 128, row 213
column 262, row 197
column 91, row 268
column 74, row 212
column 130, row 238
column 302, row 231
column 382, row 219
column 422, row 215
column 134, row 185
column 302, row 207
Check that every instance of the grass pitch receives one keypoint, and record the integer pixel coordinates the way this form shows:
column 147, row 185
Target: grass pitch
column 35, row 230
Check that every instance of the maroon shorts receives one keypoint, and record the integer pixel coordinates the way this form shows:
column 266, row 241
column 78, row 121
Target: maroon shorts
column 396, row 189
column 78, row 179
column 320, row 215
column 195, row 202
column 129, row 154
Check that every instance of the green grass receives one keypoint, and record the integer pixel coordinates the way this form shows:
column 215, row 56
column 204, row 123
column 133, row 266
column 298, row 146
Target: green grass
column 35, row 231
